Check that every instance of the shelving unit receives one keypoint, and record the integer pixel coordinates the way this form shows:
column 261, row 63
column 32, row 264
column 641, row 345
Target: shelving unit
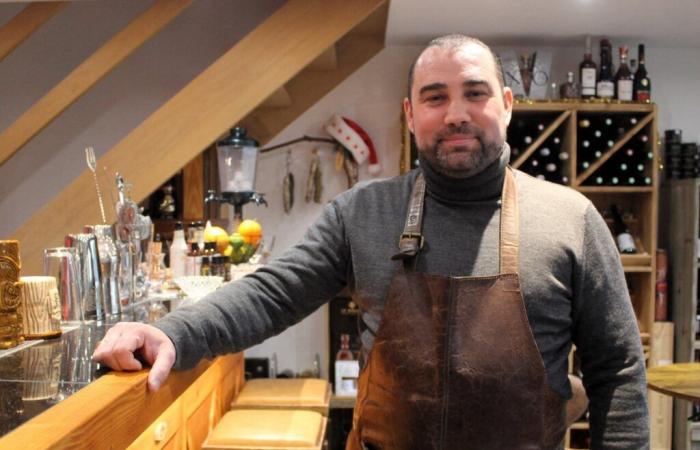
column 683, row 253
column 584, row 157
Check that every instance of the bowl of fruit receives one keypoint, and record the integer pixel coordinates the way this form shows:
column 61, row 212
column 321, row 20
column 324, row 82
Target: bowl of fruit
column 239, row 246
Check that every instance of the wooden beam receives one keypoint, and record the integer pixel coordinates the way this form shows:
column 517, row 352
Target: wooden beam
column 327, row 60
column 87, row 74
column 193, row 188
column 26, row 22
column 310, row 85
column 279, row 99
column 218, row 98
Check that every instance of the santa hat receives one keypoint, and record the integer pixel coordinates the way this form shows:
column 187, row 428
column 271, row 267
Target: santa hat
column 356, row 140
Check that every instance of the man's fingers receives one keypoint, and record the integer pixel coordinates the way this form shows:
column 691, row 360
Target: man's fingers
column 123, row 351
column 117, row 348
column 165, row 358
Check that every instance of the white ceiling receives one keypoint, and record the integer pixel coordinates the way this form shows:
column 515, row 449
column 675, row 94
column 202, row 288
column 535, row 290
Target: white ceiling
column 659, row 23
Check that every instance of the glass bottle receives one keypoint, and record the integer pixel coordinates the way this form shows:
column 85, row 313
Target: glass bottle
column 623, row 237
column 623, row 77
column 569, row 90
column 587, row 72
column 344, row 353
column 605, row 87
column 642, row 83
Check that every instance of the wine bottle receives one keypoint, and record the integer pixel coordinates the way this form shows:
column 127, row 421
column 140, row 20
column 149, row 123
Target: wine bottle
column 588, row 70
column 605, row 88
column 625, row 242
column 642, row 83
column 623, row 77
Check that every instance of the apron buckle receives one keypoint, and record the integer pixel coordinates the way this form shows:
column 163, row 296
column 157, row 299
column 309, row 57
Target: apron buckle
column 409, row 245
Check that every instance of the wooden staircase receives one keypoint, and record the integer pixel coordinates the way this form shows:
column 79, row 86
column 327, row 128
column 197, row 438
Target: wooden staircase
column 265, row 81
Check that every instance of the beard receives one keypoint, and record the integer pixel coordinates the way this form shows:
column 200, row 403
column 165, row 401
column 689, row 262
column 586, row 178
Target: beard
column 461, row 161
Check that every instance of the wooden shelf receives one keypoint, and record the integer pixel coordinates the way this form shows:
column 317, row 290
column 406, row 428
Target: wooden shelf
column 582, row 105
column 338, row 402
column 580, row 426
column 638, row 262
column 614, row 189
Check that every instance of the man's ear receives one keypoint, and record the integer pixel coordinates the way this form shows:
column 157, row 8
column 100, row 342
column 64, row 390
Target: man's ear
column 508, row 103
column 408, row 112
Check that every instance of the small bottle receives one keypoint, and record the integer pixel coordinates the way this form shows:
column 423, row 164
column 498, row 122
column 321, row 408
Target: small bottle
column 642, row 83
column 178, row 252
column 344, row 353
column 569, row 90
column 588, row 70
column 605, row 88
column 623, row 77
column 625, row 242
column 192, row 258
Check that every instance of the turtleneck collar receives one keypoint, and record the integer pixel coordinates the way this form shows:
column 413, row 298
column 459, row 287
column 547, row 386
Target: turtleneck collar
column 483, row 186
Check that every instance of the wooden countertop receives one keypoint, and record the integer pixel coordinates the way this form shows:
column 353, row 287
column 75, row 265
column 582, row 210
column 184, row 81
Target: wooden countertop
column 114, row 410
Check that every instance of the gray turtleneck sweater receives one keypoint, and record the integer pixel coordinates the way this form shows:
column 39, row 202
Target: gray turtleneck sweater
column 571, row 278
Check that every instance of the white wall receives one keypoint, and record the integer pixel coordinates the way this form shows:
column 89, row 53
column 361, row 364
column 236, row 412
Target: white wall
column 371, row 96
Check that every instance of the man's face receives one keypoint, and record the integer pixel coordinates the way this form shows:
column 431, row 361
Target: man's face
column 458, row 112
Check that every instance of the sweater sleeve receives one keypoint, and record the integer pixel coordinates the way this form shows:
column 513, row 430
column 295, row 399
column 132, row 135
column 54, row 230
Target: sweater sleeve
column 607, row 338
column 248, row 311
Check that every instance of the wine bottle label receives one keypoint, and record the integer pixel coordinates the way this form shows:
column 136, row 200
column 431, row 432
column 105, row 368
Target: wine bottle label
column 588, row 81
column 625, row 243
column 624, row 90
column 605, row 89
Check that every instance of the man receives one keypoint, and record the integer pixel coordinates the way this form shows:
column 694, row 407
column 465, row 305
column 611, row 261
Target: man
column 468, row 323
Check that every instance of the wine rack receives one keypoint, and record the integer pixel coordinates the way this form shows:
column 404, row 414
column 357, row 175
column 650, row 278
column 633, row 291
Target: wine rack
column 609, row 153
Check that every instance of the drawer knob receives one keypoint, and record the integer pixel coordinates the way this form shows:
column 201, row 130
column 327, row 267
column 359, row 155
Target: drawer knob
column 160, row 431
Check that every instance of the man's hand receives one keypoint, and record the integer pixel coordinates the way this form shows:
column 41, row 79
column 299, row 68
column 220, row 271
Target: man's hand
column 125, row 339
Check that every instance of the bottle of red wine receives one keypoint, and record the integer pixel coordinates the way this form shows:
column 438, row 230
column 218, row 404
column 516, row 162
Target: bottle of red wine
column 642, row 83
column 623, row 77
column 587, row 72
column 625, row 241
column 605, row 88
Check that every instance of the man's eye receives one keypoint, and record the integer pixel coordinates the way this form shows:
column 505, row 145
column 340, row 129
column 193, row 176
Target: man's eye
column 476, row 94
column 435, row 98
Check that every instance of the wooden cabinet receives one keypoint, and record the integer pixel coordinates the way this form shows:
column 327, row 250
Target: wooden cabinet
column 683, row 237
column 609, row 153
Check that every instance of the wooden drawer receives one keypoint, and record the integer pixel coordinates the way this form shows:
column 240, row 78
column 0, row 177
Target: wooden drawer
column 164, row 433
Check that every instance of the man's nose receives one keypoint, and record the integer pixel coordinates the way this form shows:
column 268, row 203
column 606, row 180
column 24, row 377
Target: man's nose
column 457, row 113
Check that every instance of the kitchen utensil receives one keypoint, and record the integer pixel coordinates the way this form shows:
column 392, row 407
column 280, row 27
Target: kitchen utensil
column 92, row 164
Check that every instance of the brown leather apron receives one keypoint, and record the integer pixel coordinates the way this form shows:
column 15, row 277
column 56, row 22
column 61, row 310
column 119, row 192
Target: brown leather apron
column 454, row 364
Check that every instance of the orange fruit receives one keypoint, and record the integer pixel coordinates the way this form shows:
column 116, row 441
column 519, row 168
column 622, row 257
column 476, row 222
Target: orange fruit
column 251, row 231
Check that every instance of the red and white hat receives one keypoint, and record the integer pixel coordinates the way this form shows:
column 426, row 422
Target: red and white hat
column 356, row 140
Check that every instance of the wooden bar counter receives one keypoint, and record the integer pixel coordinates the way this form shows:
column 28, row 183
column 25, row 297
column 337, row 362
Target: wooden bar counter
column 53, row 396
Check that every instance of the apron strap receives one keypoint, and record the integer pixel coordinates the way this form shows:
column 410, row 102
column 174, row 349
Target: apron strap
column 509, row 225
column 411, row 240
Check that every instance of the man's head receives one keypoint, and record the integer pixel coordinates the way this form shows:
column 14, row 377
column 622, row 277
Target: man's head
column 458, row 108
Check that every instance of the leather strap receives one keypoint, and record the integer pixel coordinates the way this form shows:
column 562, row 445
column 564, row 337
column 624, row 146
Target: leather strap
column 509, row 229
column 411, row 240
